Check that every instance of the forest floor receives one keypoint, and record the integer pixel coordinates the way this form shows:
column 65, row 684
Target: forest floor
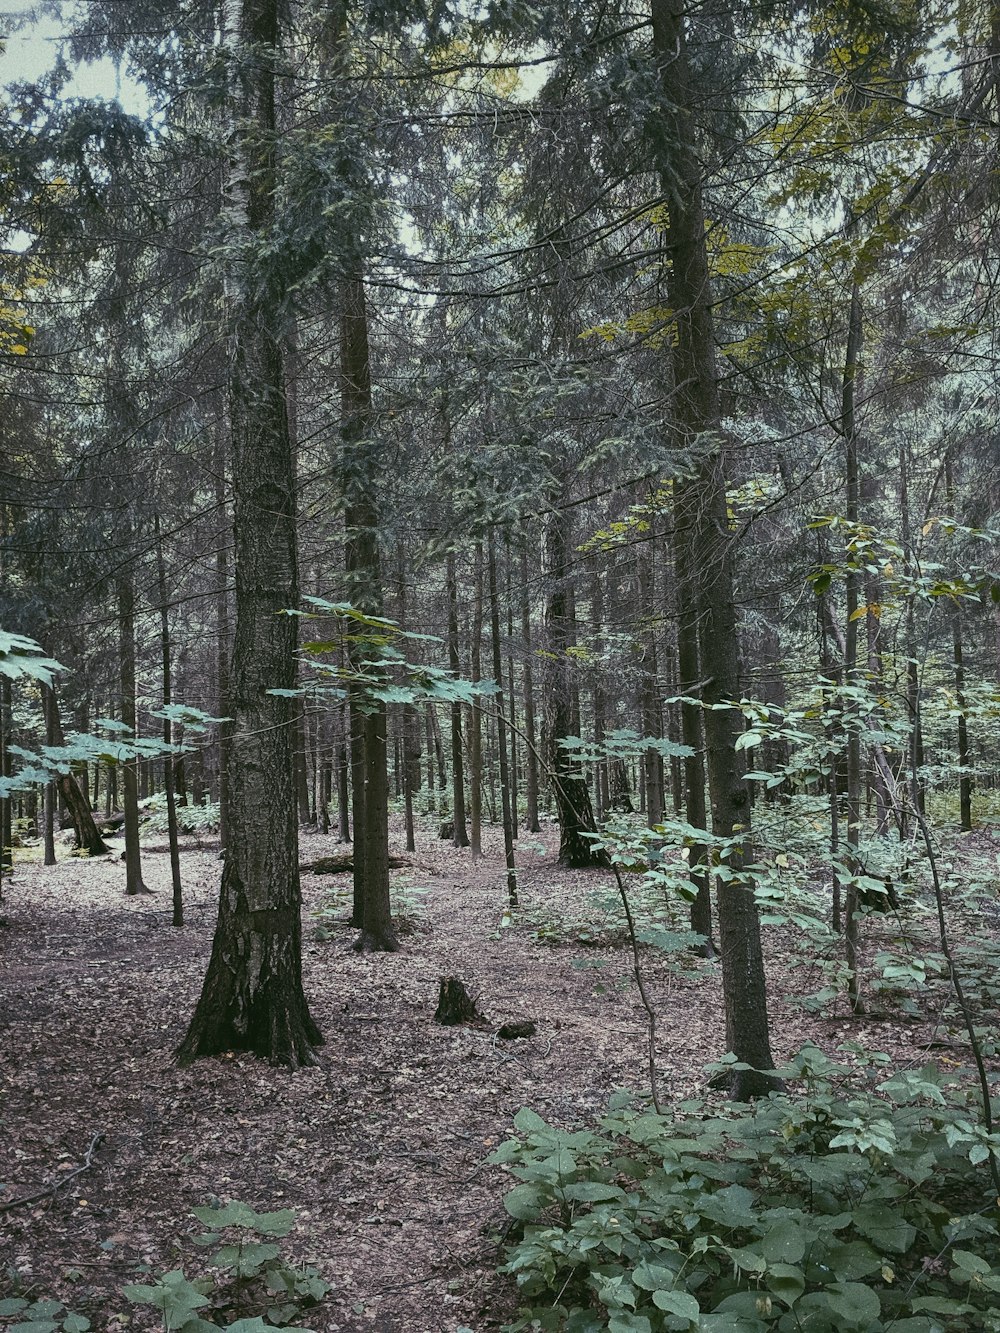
column 381, row 1147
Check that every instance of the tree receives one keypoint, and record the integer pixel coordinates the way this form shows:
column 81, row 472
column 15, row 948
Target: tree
column 697, row 414
column 252, row 997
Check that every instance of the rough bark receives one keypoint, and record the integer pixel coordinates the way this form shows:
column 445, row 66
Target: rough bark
column 252, row 998
column 698, row 419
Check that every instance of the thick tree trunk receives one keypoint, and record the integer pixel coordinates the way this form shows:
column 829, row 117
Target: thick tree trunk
column 698, row 418
column 252, row 997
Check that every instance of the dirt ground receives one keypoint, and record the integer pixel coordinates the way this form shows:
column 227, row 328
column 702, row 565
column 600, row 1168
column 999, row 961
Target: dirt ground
column 381, row 1148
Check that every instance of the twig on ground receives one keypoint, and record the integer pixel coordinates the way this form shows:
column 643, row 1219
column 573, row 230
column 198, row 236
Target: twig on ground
column 95, row 1143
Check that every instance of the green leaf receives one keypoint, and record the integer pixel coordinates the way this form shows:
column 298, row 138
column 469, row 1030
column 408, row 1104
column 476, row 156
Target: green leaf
column 593, row 1191
column 785, row 1242
column 529, row 1121
column 624, row 1322
column 968, row 1262
column 678, row 1303
column 786, row 1282
column 854, row 1302
column 174, row 1295
column 852, row 1260
column 12, row 1305
column 524, row 1202
column 885, row 1227
column 76, row 1323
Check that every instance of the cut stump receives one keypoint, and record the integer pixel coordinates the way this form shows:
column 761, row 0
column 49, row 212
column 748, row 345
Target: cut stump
column 455, row 1004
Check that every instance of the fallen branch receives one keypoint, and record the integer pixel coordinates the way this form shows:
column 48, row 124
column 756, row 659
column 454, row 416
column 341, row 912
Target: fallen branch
column 88, row 1160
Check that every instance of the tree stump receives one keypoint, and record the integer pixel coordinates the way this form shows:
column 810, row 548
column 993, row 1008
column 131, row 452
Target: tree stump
column 455, row 1004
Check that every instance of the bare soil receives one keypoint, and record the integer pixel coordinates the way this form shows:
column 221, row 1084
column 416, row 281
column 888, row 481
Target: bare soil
column 381, row 1147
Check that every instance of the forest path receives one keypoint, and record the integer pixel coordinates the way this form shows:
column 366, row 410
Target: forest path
column 380, row 1148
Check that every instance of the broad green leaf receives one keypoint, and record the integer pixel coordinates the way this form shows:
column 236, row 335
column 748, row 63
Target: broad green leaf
column 785, row 1242
column 524, row 1202
column 678, row 1303
column 880, row 1223
column 786, row 1281
column 854, row 1302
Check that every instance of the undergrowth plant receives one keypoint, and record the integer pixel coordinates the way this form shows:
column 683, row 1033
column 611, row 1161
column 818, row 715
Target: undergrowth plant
column 829, row 1211
column 248, row 1286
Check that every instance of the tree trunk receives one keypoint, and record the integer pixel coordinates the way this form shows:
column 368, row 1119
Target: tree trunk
column 686, row 505
column 474, row 718
column 958, row 663
column 652, row 760
column 505, row 792
column 576, row 816
column 698, row 418
column 511, row 697
column 6, row 768
column 130, row 768
column 360, row 469
column 222, row 648
column 88, row 838
column 177, row 918
column 852, row 676
column 459, row 832
column 531, row 738
column 252, row 997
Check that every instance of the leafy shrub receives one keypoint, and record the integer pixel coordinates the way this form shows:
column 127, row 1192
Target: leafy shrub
column 190, row 818
column 251, row 1289
column 817, row 1213
column 251, row 1280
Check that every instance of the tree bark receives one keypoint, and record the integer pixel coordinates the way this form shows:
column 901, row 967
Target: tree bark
column 88, row 838
column 531, row 758
column 459, row 832
column 505, row 792
column 252, row 998
column 474, row 717
column 130, row 768
column 852, row 676
column 369, row 722
column 576, row 816
column 177, row 918
column 698, row 418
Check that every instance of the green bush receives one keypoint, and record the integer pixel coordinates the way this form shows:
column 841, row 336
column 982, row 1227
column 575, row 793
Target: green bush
column 249, row 1287
column 822, row 1211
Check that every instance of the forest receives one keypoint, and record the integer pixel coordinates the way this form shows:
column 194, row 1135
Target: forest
column 499, row 645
